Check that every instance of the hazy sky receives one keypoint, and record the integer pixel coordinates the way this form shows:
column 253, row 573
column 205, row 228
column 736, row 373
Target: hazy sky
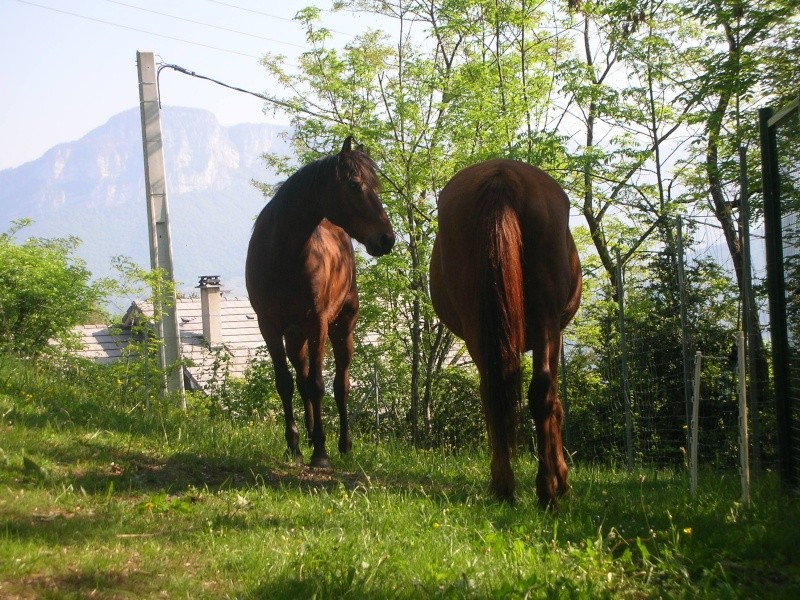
column 69, row 65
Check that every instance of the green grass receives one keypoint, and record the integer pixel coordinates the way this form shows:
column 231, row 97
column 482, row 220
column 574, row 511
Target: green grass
column 100, row 499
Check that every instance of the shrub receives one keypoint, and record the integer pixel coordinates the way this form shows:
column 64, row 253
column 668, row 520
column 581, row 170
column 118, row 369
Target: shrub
column 46, row 291
column 252, row 398
column 457, row 416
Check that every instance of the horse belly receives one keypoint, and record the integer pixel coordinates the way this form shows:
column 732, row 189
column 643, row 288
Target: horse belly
column 453, row 288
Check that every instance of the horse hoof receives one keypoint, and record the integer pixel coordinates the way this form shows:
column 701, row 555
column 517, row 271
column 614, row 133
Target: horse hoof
column 502, row 493
column 294, row 456
column 548, row 504
column 320, row 462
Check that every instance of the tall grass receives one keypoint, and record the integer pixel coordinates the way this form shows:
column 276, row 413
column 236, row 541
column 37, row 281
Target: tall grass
column 100, row 498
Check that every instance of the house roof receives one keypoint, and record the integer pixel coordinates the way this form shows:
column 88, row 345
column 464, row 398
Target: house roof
column 241, row 337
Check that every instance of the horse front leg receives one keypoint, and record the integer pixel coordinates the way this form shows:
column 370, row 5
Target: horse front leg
column 341, row 392
column 548, row 415
column 316, row 392
column 341, row 335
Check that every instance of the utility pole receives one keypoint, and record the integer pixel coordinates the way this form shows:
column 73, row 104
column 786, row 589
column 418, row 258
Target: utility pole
column 158, row 222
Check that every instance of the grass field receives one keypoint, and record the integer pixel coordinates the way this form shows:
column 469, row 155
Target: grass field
column 100, row 499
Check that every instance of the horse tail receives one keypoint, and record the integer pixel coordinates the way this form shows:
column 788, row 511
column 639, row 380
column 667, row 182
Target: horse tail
column 501, row 307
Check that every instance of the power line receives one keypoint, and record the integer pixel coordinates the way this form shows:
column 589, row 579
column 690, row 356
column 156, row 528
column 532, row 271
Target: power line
column 128, row 27
column 263, row 14
column 236, row 31
column 250, row 10
column 274, row 101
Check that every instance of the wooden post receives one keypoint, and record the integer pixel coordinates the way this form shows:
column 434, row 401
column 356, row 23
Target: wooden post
column 158, row 221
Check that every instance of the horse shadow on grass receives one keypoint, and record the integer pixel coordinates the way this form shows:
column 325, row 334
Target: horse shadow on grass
column 98, row 466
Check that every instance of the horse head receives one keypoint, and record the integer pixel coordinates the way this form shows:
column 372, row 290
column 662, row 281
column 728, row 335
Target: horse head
column 354, row 204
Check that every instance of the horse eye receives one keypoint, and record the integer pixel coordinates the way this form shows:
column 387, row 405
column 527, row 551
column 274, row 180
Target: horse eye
column 355, row 186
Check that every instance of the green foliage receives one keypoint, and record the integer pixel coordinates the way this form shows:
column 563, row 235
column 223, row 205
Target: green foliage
column 252, row 398
column 97, row 499
column 46, row 291
column 653, row 364
column 138, row 371
column 457, row 421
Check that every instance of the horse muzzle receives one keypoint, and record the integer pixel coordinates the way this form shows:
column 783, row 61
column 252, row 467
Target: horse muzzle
column 382, row 245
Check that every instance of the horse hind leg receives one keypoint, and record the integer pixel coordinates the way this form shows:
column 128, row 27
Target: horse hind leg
column 548, row 415
column 316, row 392
column 297, row 351
column 501, row 482
column 284, row 383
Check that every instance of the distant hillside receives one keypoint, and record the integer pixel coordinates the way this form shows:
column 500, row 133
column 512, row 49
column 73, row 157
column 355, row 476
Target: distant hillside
column 93, row 188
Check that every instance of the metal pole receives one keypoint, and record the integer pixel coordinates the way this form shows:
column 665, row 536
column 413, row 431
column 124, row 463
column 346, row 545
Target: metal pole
column 684, row 330
column 744, row 454
column 626, row 392
column 776, row 285
column 158, row 222
column 749, row 308
column 695, row 424
column 564, row 398
column 377, row 403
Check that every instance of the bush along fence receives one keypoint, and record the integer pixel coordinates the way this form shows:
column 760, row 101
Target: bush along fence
column 631, row 397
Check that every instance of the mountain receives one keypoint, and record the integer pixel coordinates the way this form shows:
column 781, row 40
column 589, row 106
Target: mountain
column 93, row 188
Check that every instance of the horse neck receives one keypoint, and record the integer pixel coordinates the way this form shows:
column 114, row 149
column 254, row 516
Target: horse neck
column 298, row 216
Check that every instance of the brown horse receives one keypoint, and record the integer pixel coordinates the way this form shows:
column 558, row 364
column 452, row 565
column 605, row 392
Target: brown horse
column 301, row 281
column 505, row 277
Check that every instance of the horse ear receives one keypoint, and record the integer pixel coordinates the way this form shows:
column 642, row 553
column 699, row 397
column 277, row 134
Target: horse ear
column 360, row 148
column 348, row 143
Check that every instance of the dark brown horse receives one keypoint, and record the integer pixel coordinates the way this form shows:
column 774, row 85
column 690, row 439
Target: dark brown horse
column 302, row 285
column 505, row 277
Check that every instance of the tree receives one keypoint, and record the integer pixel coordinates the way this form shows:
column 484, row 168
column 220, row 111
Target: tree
column 46, row 291
column 737, row 43
column 424, row 112
column 746, row 55
column 622, row 106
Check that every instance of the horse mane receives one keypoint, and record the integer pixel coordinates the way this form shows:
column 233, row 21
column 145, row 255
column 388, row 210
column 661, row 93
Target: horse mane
column 297, row 185
column 300, row 183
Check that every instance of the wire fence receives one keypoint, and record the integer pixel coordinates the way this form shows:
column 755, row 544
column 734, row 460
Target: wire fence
column 630, row 399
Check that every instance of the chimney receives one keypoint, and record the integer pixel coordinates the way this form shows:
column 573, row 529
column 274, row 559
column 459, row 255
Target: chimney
column 210, row 307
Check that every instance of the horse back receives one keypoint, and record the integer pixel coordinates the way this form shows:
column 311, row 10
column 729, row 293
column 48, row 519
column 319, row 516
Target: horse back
column 551, row 268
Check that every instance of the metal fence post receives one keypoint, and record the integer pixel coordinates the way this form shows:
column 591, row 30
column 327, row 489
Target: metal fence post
column 564, row 398
column 744, row 451
column 695, row 425
column 626, row 392
column 684, row 330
